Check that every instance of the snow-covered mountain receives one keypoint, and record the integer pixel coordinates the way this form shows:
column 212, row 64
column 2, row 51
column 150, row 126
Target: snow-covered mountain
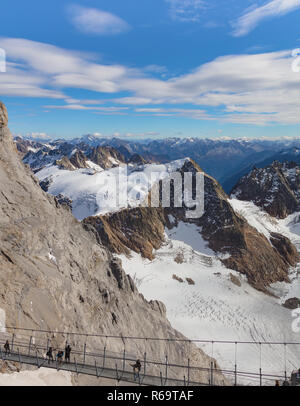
column 208, row 282
column 275, row 188
column 230, row 275
column 219, row 303
column 229, row 235
column 109, row 201
column 259, row 160
column 227, row 160
column 95, row 191
column 219, row 157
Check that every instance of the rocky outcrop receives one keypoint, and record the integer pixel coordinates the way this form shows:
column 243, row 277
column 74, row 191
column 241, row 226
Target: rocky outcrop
column 64, row 201
column 54, row 275
column 3, row 116
column 64, row 163
column 78, row 160
column 292, row 303
column 45, row 184
column 139, row 229
column 106, row 157
column 7, row 367
column 137, row 159
column 275, row 188
column 250, row 253
column 261, row 262
column 24, row 146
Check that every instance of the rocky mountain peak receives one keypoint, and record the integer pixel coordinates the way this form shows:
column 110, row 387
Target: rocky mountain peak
column 137, row 159
column 106, row 156
column 78, row 160
column 275, row 188
column 3, row 116
column 142, row 229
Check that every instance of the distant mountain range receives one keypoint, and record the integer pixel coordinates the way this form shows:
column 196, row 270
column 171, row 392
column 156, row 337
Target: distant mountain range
column 226, row 160
column 65, row 168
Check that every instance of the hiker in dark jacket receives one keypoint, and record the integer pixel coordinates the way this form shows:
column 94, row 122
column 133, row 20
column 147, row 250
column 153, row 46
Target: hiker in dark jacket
column 50, row 355
column 7, row 347
column 59, row 356
column 68, row 350
column 136, row 369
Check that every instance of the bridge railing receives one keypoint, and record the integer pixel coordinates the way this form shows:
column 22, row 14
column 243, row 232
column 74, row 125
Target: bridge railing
column 37, row 342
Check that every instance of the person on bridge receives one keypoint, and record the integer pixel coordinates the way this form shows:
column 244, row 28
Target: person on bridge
column 59, row 356
column 68, row 350
column 50, row 355
column 136, row 369
column 7, row 347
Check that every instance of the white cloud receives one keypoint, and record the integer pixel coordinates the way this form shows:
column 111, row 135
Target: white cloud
column 186, row 10
column 42, row 65
column 134, row 101
column 18, row 81
column 146, row 134
column 38, row 136
column 275, row 8
column 196, row 114
column 95, row 21
column 111, row 110
column 251, row 89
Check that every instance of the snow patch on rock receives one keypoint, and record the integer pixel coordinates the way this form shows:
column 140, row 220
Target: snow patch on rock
column 215, row 308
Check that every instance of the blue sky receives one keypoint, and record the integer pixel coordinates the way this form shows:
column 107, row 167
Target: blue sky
column 152, row 68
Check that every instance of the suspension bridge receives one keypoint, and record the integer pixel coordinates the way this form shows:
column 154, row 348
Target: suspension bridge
column 29, row 347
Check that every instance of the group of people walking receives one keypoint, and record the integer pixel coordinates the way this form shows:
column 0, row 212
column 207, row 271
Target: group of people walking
column 60, row 354
column 67, row 354
column 49, row 354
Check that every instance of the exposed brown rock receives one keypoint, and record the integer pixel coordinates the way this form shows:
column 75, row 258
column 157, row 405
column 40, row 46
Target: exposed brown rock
column 64, row 201
column 261, row 262
column 292, row 303
column 275, row 188
column 179, row 259
column 137, row 160
column 106, row 156
column 235, row 280
column 78, row 160
column 64, row 163
column 3, row 116
column 139, row 229
column 8, row 367
column 177, row 278
column 142, row 230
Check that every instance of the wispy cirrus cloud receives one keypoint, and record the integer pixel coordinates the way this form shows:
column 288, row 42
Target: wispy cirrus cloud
column 186, row 10
column 106, row 110
column 251, row 18
column 95, row 21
